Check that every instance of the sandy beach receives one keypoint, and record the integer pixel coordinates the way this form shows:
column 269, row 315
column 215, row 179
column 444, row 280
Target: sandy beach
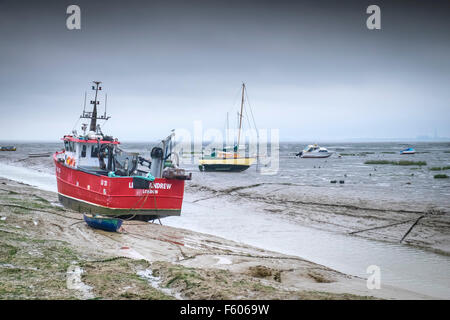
column 48, row 252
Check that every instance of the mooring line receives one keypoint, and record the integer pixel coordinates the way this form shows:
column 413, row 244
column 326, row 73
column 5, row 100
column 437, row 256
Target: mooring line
column 409, row 230
column 35, row 209
column 380, row 227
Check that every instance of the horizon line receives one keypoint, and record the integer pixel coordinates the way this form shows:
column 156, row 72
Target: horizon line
column 348, row 140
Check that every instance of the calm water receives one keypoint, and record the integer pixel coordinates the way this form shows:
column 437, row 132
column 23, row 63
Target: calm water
column 409, row 268
column 381, row 182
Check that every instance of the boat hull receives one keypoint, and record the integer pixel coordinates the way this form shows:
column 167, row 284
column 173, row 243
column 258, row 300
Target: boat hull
column 408, row 151
column 225, row 165
column 8, row 149
column 106, row 224
column 222, row 167
column 116, row 196
column 313, row 156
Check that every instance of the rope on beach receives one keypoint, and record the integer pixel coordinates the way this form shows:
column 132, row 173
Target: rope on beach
column 141, row 236
column 414, row 224
column 12, row 232
column 9, row 191
column 241, row 255
column 380, row 227
column 35, row 209
column 107, row 260
column 40, row 198
column 76, row 223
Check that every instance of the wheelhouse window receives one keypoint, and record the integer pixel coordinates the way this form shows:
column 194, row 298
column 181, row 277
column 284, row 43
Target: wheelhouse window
column 83, row 151
column 69, row 146
column 94, row 152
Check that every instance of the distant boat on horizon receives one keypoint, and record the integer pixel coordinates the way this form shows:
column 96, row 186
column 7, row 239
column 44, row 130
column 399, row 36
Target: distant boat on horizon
column 8, row 148
column 38, row 155
column 408, row 151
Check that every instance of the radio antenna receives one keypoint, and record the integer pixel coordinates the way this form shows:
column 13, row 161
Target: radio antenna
column 93, row 115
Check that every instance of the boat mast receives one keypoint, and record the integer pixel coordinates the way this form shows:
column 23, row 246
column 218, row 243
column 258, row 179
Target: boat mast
column 93, row 115
column 106, row 101
column 228, row 125
column 227, row 134
column 93, row 126
column 240, row 117
column 84, row 107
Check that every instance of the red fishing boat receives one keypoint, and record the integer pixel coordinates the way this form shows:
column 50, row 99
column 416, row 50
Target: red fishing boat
column 94, row 175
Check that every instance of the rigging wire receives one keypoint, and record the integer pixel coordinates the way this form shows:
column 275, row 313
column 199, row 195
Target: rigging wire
column 256, row 129
column 76, row 123
column 248, row 118
column 103, row 124
column 235, row 101
column 251, row 112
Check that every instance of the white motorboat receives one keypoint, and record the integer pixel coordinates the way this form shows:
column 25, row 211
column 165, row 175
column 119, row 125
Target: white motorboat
column 314, row 151
column 408, row 151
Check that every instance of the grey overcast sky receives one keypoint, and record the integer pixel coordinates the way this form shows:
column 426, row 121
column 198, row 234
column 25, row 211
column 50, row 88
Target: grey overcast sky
column 312, row 68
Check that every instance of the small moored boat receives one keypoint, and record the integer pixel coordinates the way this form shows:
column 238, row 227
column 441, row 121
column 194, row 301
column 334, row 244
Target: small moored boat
column 39, row 155
column 225, row 161
column 408, row 151
column 8, row 148
column 228, row 160
column 314, row 151
column 103, row 223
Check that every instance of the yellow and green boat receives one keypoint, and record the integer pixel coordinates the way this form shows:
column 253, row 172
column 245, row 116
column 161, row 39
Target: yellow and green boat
column 227, row 161
column 8, row 148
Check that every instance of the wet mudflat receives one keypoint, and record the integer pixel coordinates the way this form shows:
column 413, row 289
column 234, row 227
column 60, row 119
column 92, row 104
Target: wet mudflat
column 49, row 253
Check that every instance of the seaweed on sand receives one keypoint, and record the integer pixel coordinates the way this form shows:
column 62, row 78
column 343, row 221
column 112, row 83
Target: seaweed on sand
column 397, row 163
column 439, row 168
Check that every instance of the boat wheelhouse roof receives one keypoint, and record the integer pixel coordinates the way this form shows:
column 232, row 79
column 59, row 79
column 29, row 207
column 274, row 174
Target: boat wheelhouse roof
column 85, row 140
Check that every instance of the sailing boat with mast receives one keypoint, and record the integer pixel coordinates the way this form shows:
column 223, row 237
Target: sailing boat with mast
column 225, row 160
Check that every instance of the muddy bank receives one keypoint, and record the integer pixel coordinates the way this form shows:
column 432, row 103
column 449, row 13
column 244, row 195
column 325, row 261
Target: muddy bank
column 48, row 252
column 371, row 215
column 339, row 211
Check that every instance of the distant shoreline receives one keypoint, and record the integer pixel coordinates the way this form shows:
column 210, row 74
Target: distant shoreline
column 305, row 142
